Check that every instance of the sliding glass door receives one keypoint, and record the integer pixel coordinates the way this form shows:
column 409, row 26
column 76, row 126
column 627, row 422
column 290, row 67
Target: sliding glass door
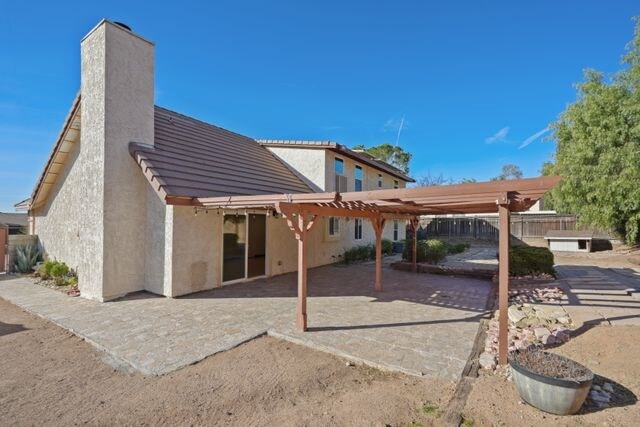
column 244, row 246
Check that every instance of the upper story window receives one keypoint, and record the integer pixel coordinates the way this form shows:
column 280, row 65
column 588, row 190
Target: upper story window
column 338, row 166
column 340, row 179
column 334, row 226
column 358, row 176
column 396, row 184
column 380, row 180
column 358, row 229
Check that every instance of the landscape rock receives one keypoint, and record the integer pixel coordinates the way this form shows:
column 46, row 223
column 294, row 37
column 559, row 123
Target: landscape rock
column 487, row 360
column 515, row 314
column 548, row 339
column 541, row 332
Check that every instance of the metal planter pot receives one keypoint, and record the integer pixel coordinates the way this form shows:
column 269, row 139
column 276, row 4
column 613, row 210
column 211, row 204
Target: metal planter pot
column 553, row 395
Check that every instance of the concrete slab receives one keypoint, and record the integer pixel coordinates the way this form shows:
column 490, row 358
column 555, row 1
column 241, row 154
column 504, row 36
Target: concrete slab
column 597, row 295
column 421, row 324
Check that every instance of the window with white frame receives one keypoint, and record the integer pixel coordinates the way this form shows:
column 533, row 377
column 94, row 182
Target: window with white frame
column 334, row 226
column 358, row 176
column 379, row 180
column 396, row 229
column 396, row 184
column 358, row 229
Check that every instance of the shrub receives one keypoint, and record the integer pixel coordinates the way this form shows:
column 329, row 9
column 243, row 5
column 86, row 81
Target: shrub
column 432, row 251
column 457, row 248
column 529, row 260
column 359, row 253
column 387, row 247
column 59, row 270
column 26, row 257
column 45, row 269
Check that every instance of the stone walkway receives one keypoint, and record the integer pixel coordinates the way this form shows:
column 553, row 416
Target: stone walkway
column 420, row 325
column 597, row 295
column 475, row 258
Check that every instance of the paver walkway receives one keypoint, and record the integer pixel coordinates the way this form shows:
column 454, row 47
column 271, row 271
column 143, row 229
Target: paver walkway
column 597, row 295
column 421, row 324
column 475, row 258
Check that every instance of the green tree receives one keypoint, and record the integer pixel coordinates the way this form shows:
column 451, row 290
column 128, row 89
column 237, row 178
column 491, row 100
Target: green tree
column 598, row 149
column 548, row 169
column 509, row 171
column 392, row 154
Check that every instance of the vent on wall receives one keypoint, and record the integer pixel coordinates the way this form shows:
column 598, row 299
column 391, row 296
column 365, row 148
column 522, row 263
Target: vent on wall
column 341, row 184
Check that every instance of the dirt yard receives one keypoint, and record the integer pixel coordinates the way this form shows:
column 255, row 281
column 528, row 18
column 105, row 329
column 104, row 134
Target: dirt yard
column 609, row 351
column 51, row 377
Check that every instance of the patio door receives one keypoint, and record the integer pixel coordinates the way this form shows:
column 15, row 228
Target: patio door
column 244, row 246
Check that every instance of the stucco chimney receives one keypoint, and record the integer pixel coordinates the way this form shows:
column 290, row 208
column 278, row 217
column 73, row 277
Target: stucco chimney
column 117, row 106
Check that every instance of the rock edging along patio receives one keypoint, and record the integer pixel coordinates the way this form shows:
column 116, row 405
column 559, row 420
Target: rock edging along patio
column 420, row 325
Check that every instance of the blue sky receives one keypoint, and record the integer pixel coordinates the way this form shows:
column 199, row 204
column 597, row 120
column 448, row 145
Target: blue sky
column 473, row 80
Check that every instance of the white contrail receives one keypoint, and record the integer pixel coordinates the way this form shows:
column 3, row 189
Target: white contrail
column 399, row 130
column 533, row 137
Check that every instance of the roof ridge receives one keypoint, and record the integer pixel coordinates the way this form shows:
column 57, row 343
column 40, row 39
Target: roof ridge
column 202, row 121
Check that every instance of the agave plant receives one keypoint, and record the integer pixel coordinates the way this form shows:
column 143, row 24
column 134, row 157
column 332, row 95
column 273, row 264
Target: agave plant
column 26, row 258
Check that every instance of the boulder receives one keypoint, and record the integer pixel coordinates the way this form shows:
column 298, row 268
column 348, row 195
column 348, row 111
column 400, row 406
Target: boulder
column 487, row 361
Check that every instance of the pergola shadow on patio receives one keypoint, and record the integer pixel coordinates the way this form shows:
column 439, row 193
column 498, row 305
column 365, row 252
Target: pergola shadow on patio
column 421, row 324
column 302, row 210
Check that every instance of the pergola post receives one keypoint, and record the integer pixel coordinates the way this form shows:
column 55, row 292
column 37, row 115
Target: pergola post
column 503, row 280
column 414, row 251
column 378, row 226
column 300, row 227
column 301, row 311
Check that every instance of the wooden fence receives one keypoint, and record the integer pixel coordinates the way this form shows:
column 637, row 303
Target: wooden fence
column 529, row 226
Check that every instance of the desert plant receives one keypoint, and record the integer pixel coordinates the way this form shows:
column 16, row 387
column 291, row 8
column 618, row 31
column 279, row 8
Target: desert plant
column 59, row 270
column 26, row 258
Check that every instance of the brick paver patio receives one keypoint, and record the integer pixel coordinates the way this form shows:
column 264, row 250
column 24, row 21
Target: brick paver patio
column 421, row 324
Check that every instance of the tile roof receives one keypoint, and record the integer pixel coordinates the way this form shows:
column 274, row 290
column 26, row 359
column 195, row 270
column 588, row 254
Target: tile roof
column 358, row 155
column 192, row 158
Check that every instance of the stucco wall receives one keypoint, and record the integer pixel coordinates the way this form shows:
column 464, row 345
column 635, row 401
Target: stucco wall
column 308, row 163
column 129, row 116
column 370, row 174
column 64, row 226
column 196, row 255
column 156, row 236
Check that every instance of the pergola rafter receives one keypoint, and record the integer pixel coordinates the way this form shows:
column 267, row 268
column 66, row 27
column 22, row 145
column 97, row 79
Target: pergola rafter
column 302, row 210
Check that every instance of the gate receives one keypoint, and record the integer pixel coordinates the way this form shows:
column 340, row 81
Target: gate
column 4, row 242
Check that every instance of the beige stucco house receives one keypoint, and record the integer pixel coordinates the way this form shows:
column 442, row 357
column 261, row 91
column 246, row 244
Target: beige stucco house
column 114, row 198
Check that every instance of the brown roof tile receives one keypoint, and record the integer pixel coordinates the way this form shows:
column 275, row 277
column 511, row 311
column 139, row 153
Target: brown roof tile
column 192, row 158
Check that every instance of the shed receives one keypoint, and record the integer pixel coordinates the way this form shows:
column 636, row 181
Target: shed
column 569, row 240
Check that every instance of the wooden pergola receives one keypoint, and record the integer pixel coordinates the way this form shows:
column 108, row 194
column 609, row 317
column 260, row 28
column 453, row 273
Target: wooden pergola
column 302, row 210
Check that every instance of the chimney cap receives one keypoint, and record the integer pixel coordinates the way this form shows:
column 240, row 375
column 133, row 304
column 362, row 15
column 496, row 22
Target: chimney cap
column 125, row 26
